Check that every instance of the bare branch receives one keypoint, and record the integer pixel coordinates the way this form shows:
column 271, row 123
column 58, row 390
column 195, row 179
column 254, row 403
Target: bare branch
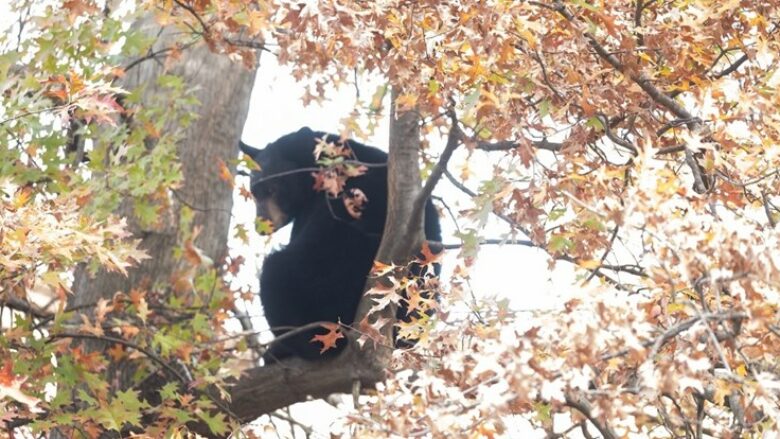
column 151, row 355
column 24, row 306
column 203, row 25
column 453, row 140
column 155, row 53
column 732, row 68
column 33, row 112
column 698, row 179
column 251, row 44
column 768, row 210
column 670, row 150
column 676, row 330
column 640, row 6
column 583, row 407
column 615, row 139
column 607, row 251
column 521, row 242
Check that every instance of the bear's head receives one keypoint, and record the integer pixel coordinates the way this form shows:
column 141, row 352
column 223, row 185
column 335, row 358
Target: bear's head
column 283, row 186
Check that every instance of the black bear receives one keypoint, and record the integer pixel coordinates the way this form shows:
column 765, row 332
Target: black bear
column 320, row 274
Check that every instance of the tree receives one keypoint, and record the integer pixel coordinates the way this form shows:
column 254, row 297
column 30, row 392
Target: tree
column 633, row 140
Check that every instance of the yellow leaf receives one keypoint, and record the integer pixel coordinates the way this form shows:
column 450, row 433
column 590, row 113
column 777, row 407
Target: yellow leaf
column 645, row 57
column 406, row 102
column 722, row 390
column 590, row 264
column 22, row 197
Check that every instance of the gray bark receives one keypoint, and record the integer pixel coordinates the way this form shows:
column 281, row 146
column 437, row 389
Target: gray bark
column 223, row 89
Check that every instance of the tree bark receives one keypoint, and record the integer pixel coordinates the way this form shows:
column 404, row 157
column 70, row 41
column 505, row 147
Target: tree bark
column 223, row 88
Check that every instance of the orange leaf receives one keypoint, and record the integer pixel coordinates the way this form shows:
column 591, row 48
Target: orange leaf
column 329, row 339
column 224, row 173
column 6, row 373
column 245, row 193
column 428, row 255
column 116, row 352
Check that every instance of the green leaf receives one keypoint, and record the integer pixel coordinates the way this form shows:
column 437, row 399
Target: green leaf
column 559, row 243
column 556, row 214
column 137, row 43
column 84, row 396
column 595, row 122
column 378, row 97
column 544, row 108
column 543, row 411
column 433, row 86
column 129, row 400
column 470, row 239
column 200, row 324
column 164, row 342
column 216, row 423
column 594, row 223
column 170, row 81
column 145, row 211
column 170, row 390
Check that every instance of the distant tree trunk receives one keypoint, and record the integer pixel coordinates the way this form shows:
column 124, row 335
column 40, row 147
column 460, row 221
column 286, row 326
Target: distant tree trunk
column 223, row 89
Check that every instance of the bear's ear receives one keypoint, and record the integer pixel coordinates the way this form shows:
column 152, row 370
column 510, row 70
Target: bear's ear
column 251, row 151
column 298, row 147
column 306, row 131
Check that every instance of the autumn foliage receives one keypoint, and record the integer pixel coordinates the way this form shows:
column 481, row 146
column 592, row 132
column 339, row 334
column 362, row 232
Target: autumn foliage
column 637, row 141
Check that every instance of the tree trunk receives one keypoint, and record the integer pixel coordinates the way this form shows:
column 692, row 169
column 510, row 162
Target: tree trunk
column 223, row 89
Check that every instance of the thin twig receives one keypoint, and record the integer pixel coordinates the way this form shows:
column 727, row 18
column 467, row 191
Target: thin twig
column 507, row 145
column 522, row 242
column 768, row 210
column 31, row 113
column 607, row 251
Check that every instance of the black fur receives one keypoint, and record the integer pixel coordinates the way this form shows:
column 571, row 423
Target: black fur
column 320, row 274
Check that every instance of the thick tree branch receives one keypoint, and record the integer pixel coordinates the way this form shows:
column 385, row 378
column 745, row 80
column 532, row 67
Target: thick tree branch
column 403, row 234
column 262, row 390
column 698, row 178
column 731, row 68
